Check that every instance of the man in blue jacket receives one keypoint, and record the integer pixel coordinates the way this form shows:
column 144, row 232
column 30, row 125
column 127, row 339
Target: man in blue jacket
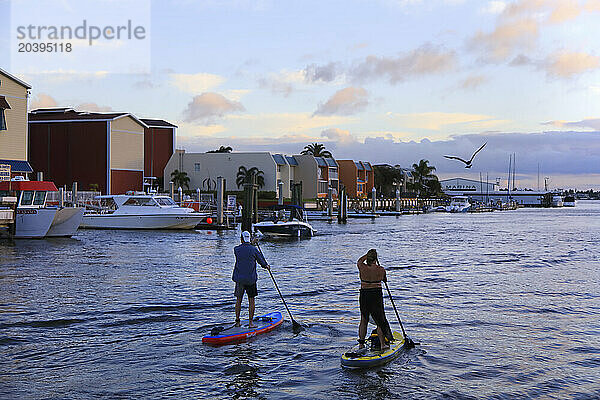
column 245, row 277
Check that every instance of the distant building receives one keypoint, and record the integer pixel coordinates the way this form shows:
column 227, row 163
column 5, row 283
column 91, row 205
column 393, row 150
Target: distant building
column 159, row 145
column 204, row 168
column 463, row 185
column 90, row 148
column 357, row 176
column 14, row 97
column 317, row 175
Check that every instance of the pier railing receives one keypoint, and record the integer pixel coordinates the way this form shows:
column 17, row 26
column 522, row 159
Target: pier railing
column 384, row 204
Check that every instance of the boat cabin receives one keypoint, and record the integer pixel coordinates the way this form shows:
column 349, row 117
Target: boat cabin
column 30, row 194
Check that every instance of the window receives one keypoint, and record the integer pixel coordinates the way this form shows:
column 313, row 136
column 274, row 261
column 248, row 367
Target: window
column 39, row 198
column 27, row 198
column 279, row 168
column 138, row 201
column 165, row 201
column 2, row 120
column 196, row 167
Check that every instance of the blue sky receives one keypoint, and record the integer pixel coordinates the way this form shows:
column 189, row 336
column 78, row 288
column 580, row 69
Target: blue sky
column 386, row 81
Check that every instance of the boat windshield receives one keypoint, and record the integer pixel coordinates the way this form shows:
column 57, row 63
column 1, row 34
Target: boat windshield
column 39, row 198
column 165, row 201
column 139, row 201
column 27, row 198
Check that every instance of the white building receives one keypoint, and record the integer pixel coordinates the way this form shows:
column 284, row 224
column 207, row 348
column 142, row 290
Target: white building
column 204, row 168
column 489, row 192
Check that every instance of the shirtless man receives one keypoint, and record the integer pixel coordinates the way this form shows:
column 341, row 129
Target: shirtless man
column 371, row 298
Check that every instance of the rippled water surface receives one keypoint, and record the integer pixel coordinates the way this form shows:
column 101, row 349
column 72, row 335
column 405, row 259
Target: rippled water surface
column 505, row 305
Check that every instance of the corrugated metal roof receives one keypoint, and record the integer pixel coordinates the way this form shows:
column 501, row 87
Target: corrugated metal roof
column 359, row 166
column 331, row 162
column 321, row 162
column 291, row 160
column 279, row 160
column 18, row 166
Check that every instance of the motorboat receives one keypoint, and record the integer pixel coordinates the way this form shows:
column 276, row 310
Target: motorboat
column 459, row 204
column 140, row 211
column 294, row 226
column 66, row 222
column 557, row 200
column 569, row 201
column 33, row 218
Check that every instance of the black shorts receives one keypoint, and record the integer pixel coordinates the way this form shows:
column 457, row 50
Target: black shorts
column 371, row 304
column 240, row 288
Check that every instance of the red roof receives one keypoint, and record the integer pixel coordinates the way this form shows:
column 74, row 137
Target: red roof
column 29, row 185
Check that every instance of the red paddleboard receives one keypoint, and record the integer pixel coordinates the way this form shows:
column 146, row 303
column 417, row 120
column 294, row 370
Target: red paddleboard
column 264, row 323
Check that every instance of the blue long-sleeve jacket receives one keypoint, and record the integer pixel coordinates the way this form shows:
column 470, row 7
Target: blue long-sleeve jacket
column 246, row 257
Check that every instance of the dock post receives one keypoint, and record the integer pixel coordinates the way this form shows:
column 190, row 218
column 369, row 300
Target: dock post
column 342, row 206
column 280, row 189
column 220, row 190
column 74, row 194
column 61, row 197
column 198, row 197
column 248, row 208
column 40, row 176
column 398, row 207
column 330, row 202
column 172, row 190
column 180, row 194
column 374, row 200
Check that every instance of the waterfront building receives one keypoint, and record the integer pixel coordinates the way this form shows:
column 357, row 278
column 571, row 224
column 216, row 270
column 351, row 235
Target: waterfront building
column 204, row 168
column 357, row 176
column 159, row 146
column 463, row 185
column 14, row 98
column 103, row 151
column 490, row 192
column 317, row 175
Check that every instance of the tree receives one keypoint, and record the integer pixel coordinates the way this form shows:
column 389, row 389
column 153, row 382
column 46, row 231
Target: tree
column 316, row 150
column 180, row 179
column 245, row 175
column 423, row 173
column 386, row 178
column 222, row 149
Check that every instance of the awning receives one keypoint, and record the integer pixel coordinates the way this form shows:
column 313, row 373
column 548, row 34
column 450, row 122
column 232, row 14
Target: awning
column 3, row 103
column 18, row 166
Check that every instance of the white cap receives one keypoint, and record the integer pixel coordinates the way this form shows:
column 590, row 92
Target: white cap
column 246, row 236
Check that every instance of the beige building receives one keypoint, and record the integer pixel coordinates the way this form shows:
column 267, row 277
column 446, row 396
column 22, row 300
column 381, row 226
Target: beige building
column 204, row 168
column 14, row 97
column 317, row 175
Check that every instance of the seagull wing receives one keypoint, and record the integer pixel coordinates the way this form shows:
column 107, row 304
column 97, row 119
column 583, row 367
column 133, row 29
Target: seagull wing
column 478, row 150
column 456, row 158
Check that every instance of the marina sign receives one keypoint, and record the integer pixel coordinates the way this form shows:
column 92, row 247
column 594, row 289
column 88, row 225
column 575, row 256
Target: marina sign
column 4, row 172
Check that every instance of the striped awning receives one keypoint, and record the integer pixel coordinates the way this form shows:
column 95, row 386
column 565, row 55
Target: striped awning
column 3, row 103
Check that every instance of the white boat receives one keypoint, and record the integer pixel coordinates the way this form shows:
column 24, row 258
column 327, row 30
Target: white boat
column 295, row 226
column 33, row 219
column 66, row 222
column 557, row 200
column 459, row 204
column 141, row 211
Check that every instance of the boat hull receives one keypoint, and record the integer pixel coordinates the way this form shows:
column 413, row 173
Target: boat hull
column 66, row 222
column 129, row 221
column 285, row 229
column 33, row 223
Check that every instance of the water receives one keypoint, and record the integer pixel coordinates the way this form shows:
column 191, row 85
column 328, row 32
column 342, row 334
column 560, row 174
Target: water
column 505, row 305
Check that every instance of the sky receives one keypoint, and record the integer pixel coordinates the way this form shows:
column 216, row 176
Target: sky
column 385, row 81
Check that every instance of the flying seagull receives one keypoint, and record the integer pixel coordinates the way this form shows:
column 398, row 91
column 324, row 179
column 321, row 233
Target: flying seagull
column 468, row 163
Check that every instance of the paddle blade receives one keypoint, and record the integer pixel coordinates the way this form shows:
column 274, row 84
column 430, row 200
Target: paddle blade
column 408, row 343
column 296, row 327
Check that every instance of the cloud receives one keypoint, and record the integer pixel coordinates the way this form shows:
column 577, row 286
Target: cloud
column 346, row 101
column 321, row 73
column 424, row 60
column 473, row 82
column 196, row 83
column 144, row 84
column 206, row 107
column 282, row 82
column 435, row 121
column 43, row 100
column 338, row 135
column 277, row 123
column 565, row 10
column 494, row 7
column 589, row 123
column 569, row 64
column 506, row 39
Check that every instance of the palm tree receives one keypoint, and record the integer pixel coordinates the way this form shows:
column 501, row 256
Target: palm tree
column 222, row 149
column 245, row 175
column 316, row 150
column 180, row 179
column 422, row 173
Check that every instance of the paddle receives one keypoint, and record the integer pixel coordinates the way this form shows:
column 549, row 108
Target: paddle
column 408, row 342
column 296, row 327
